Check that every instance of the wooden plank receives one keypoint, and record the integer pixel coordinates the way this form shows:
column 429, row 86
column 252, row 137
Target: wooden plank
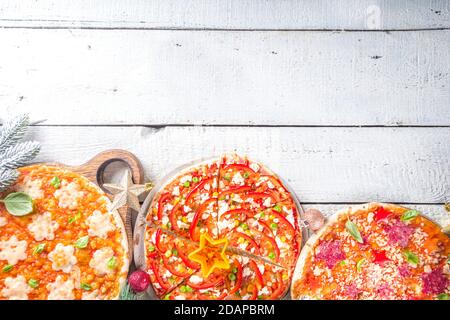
column 232, row 14
column 323, row 165
column 435, row 212
column 235, row 78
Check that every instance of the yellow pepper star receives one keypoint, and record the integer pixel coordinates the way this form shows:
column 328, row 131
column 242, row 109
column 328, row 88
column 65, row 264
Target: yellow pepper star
column 211, row 254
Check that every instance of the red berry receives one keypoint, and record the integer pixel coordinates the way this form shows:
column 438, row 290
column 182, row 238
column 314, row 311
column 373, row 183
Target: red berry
column 139, row 280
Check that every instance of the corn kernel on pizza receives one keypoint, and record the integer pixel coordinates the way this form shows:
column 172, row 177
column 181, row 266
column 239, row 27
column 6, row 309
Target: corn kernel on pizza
column 375, row 251
column 229, row 198
column 70, row 247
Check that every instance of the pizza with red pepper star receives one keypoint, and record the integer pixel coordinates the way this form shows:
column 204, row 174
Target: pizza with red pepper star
column 229, row 198
column 375, row 251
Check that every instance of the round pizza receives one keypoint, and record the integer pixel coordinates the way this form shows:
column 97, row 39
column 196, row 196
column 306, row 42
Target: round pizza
column 69, row 247
column 375, row 251
column 248, row 220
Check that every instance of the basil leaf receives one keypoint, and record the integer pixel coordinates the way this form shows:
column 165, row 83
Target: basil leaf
column 411, row 258
column 353, row 230
column 33, row 283
column 86, row 286
column 74, row 218
column 359, row 264
column 443, row 296
column 55, row 182
column 112, row 263
column 409, row 215
column 39, row 248
column 7, row 268
column 18, row 204
column 82, row 242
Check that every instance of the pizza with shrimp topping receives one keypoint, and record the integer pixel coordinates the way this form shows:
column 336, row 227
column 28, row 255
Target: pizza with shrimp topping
column 375, row 251
column 230, row 199
column 69, row 247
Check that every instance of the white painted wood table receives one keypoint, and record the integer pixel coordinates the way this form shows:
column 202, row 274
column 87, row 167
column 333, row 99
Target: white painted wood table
column 347, row 100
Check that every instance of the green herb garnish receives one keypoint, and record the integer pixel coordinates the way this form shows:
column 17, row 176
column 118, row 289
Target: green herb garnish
column 39, row 248
column 112, row 263
column 409, row 215
column 353, row 230
column 55, row 182
column 274, row 226
column 272, row 255
column 18, row 203
column 74, row 218
column 246, row 175
column 7, row 268
column 443, row 296
column 411, row 258
column 82, row 242
column 86, row 286
column 151, row 248
column 359, row 264
column 33, row 283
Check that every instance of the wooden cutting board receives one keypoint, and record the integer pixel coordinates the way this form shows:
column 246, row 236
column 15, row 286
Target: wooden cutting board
column 94, row 170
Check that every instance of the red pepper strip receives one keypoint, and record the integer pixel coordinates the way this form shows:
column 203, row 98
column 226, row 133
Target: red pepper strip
column 235, row 190
column 222, row 296
column 158, row 278
column 186, row 260
column 249, row 239
column 266, row 226
column 247, row 213
column 274, row 245
column 255, row 293
column 163, row 198
column 197, row 215
column 152, row 255
column 380, row 256
column 205, row 285
column 238, row 284
column 284, row 220
column 238, row 166
column 279, row 290
column 258, row 274
column 172, row 218
column 158, row 239
column 381, row 213
column 197, row 187
column 173, row 270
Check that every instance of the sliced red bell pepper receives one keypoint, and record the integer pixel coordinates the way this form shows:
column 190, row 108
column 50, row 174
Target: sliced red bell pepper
column 238, row 166
column 258, row 274
column 158, row 240
column 197, row 187
column 274, row 246
column 172, row 218
column 238, row 283
column 161, row 201
column 247, row 213
column 266, row 227
column 284, row 220
column 276, row 294
column 173, row 270
column 252, row 241
column 206, row 285
column 186, row 260
column 158, row 277
column 254, row 293
column 197, row 216
column 235, row 190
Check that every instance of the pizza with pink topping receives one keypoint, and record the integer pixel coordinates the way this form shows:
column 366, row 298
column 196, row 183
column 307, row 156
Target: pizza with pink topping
column 375, row 251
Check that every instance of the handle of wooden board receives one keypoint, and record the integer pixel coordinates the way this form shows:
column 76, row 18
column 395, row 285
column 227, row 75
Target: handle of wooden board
column 95, row 168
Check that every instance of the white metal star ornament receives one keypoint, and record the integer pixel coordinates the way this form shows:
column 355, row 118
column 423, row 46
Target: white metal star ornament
column 126, row 193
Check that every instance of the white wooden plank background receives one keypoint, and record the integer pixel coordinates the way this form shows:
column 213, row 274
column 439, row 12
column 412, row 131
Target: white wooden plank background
column 226, row 14
column 140, row 75
column 227, row 77
column 408, row 165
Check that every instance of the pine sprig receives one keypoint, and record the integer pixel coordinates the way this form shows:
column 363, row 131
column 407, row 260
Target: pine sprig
column 7, row 178
column 19, row 154
column 13, row 153
column 127, row 293
column 13, row 131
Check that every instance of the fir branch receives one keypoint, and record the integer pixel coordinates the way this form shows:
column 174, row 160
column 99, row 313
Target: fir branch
column 19, row 154
column 127, row 293
column 13, row 131
column 7, row 178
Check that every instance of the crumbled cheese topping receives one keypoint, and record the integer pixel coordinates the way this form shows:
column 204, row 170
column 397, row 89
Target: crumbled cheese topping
column 238, row 179
column 60, row 289
column 43, row 227
column 195, row 279
column 99, row 224
column 32, row 187
column 13, row 250
column 68, row 195
column 16, row 288
column 99, row 261
column 90, row 295
column 63, row 258
column 3, row 221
